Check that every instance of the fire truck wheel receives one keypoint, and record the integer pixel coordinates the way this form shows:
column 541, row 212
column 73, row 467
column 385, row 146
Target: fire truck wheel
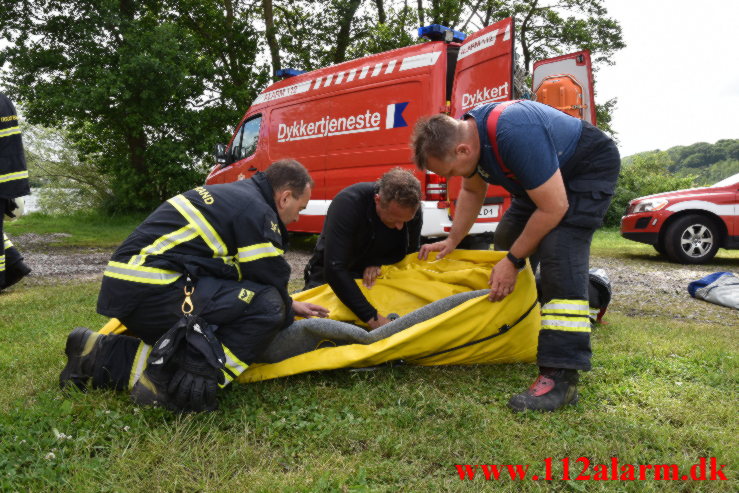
column 692, row 239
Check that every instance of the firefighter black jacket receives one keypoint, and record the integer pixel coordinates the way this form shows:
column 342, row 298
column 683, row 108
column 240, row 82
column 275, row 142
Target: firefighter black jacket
column 229, row 231
column 354, row 238
column 13, row 173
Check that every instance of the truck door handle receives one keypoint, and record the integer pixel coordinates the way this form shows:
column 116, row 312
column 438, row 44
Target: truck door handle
column 252, row 169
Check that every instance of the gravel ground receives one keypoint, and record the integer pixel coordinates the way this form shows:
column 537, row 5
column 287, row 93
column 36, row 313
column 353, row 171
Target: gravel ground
column 642, row 285
column 647, row 285
column 57, row 264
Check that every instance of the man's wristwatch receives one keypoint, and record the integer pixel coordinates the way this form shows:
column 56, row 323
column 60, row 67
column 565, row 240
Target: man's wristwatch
column 518, row 263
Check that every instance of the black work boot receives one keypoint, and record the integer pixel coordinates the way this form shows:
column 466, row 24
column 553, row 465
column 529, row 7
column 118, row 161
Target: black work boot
column 553, row 388
column 151, row 388
column 15, row 273
column 82, row 348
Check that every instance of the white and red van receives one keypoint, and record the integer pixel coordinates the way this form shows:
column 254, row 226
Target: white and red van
column 351, row 122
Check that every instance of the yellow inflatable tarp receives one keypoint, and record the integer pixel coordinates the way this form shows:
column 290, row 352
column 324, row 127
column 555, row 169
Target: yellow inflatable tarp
column 474, row 332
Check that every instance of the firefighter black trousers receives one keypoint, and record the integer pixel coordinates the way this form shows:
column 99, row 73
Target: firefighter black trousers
column 248, row 316
column 564, row 253
column 12, row 267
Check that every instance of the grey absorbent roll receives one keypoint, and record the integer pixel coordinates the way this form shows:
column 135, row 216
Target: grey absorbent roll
column 310, row 333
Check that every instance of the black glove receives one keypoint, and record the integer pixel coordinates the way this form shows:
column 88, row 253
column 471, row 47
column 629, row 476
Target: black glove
column 193, row 388
column 195, row 383
column 163, row 362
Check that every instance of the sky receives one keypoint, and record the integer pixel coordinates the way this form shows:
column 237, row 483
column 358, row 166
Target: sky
column 677, row 81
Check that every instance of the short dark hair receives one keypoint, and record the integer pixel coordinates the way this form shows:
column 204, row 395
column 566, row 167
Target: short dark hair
column 399, row 185
column 434, row 136
column 290, row 174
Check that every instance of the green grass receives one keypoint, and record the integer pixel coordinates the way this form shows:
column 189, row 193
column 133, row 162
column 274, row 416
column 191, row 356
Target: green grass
column 81, row 229
column 661, row 391
column 608, row 241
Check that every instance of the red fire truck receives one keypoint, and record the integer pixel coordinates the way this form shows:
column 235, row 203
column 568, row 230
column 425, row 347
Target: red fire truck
column 351, row 122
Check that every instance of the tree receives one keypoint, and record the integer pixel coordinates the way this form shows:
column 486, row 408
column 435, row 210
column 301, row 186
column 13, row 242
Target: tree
column 144, row 89
column 139, row 87
column 270, row 32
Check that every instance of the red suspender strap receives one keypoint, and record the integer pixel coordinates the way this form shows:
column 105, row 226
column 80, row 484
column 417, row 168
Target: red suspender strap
column 493, row 136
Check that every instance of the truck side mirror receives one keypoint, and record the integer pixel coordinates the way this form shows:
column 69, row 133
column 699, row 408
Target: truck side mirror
column 220, row 153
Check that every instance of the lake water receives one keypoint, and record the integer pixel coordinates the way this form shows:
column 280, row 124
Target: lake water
column 32, row 201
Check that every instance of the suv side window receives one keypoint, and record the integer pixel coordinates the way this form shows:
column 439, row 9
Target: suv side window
column 245, row 142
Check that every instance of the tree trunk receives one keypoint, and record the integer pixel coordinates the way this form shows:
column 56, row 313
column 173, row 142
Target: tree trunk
column 435, row 12
column 522, row 38
column 421, row 21
column 345, row 26
column 269, row 22
column 381, row 17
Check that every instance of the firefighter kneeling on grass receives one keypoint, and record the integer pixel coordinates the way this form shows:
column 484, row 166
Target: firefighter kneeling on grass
column 562, row 173
column 202, row 285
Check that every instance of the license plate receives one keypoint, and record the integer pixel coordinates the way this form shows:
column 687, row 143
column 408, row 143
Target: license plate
column 488, row 211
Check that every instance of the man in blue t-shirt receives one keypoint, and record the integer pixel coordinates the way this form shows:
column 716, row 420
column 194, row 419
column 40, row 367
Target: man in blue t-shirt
column 562, row 173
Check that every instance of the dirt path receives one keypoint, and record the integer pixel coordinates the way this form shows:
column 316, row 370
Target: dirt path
column 642, row 285
column 52, row 263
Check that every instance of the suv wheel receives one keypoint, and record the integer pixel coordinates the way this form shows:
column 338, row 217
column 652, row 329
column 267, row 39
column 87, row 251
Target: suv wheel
column 660, row 247
column 692, row 239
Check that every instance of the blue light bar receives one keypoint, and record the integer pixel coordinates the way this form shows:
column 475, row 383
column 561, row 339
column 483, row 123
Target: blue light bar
column 288, row 72
column 437, row 32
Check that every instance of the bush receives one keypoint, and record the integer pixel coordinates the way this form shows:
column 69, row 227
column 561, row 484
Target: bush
column 645, row 174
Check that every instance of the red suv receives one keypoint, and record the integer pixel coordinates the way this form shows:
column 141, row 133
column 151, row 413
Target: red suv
column 688, row 226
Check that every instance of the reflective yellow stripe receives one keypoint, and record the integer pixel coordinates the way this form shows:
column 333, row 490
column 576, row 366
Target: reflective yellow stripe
column 572, row 307
column 566, row 315
column 234, row 365
column 2, row 263
column 164, row 243
column 6, row 242
column 135, row 273
column 260, row 250
column 570, row 324
column 566, row 329
column 139, row 364
column 7, row 132
column 18, row 175
column 203, row 227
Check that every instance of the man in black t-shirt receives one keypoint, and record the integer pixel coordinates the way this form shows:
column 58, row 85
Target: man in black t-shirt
column 367, row 225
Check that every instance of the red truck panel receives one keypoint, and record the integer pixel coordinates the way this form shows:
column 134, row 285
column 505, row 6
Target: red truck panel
column 575, row 66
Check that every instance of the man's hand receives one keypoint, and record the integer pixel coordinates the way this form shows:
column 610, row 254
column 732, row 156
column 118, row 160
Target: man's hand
column 370, row 275
column 444, row 247
column 502, row 280
column 378, row 321
column 307, row 310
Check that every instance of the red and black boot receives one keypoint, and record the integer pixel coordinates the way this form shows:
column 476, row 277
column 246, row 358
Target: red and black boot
column 553, row 388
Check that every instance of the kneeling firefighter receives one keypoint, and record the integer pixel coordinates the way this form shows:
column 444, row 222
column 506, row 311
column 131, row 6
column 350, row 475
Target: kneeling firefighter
column 13, row 184
column 201, row 284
